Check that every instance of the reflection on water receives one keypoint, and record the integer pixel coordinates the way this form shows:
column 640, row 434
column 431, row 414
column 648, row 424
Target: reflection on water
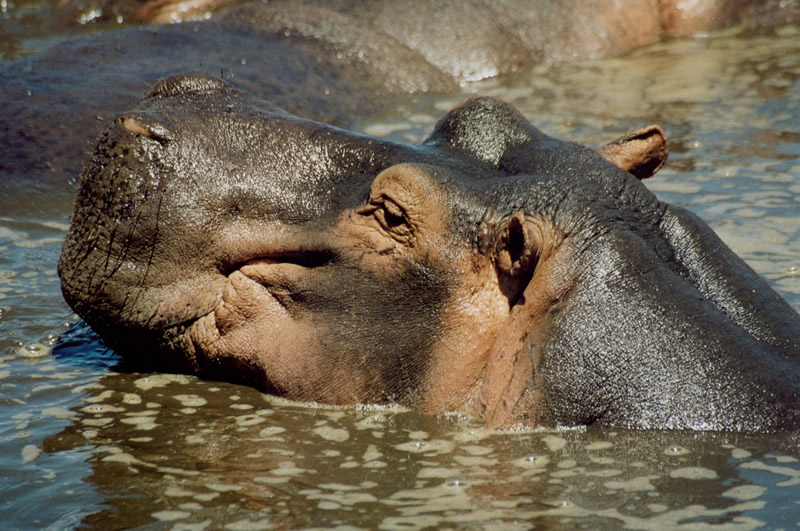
column 197, row 452
column 82, row 444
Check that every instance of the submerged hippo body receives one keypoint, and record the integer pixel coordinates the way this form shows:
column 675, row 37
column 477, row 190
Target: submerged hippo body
column 491, row 269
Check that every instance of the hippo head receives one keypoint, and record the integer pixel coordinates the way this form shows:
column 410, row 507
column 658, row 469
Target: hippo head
column 492, row 269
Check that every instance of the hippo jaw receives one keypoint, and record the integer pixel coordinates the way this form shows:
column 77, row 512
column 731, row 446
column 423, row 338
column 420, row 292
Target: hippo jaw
column 492, row 270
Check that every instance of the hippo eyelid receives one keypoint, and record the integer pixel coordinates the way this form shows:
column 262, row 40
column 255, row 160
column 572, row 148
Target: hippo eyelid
column 392, row 218
column 393, row 214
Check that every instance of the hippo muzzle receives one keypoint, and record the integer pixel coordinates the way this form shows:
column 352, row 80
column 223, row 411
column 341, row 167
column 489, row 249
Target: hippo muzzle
column 491, row 270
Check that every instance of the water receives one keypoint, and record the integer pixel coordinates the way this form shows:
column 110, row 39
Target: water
column 85, row 445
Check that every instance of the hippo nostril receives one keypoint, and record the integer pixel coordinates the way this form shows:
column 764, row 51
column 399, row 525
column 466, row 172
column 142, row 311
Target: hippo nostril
column 136, row 128
column 145, row 125
column 188, row 83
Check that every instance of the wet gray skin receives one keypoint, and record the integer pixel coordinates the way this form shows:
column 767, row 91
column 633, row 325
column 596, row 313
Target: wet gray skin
column 491, row 269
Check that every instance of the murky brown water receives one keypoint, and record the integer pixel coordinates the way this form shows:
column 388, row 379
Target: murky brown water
column 84, row 445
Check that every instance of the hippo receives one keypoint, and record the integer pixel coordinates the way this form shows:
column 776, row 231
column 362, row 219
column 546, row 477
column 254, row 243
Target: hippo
column 491, row 270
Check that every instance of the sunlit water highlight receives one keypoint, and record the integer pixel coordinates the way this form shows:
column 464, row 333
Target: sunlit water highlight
column 84, row 445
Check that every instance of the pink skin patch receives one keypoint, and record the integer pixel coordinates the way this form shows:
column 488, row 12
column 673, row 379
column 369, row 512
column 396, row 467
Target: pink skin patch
column 136, row 128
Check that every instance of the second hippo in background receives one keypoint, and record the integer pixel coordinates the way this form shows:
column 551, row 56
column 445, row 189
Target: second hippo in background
column 612, row 21
column 491, row 270
column 334, row 61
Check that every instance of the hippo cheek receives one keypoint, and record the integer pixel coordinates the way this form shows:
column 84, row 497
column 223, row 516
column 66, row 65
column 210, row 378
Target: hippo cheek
column 407, row 225
column 261, row 333
column 473, row 320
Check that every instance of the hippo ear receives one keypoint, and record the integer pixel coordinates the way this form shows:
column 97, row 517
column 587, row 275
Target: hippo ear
column 641, row 153
column 515, row 256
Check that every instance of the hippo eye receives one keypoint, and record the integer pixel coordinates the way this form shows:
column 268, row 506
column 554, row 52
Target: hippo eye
column 391, row 217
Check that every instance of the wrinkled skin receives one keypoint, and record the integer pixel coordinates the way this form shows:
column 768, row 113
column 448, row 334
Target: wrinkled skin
column 491, row 270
